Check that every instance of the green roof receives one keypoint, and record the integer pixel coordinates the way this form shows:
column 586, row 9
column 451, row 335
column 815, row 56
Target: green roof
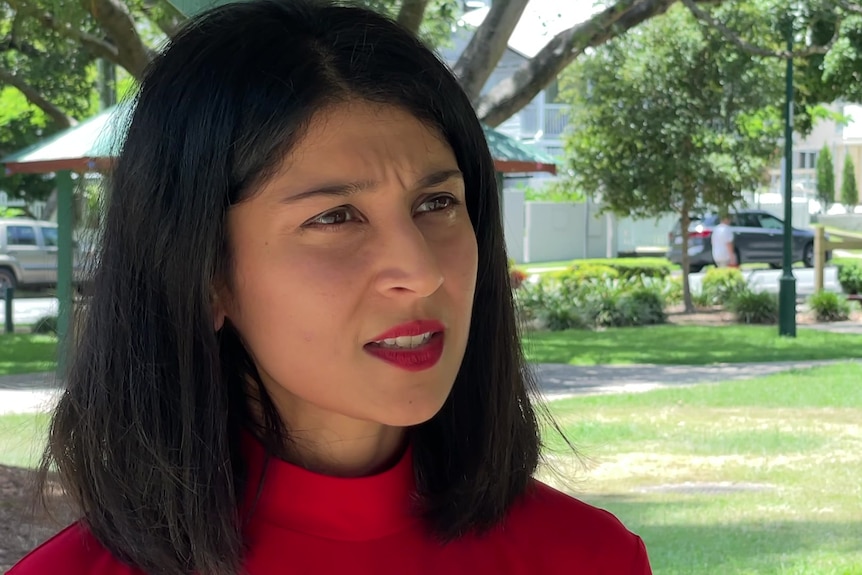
column 85, row 147
column 511, row 155
column 91, row 145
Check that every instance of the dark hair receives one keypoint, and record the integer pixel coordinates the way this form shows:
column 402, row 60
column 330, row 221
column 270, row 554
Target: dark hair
column 146, row 435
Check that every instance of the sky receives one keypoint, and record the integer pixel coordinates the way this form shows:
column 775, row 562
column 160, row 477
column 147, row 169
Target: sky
column 541, row 21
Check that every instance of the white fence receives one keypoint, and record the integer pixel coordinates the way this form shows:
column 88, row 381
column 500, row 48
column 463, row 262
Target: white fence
column 547, row 231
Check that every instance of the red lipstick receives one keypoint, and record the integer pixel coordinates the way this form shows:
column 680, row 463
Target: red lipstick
column 423, row 356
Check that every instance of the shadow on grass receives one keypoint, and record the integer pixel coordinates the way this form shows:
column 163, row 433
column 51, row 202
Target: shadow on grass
column 726, row 546
column 692, row 345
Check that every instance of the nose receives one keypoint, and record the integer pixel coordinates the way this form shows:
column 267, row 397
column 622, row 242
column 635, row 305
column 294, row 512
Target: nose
column 408, row 265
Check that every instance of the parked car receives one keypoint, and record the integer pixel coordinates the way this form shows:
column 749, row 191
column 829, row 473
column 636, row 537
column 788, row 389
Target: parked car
column 758, row 237
column 28, row 254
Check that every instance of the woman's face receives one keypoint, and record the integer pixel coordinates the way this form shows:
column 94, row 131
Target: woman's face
column 363, row 230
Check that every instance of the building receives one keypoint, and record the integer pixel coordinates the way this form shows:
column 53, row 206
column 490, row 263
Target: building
column 543, row 122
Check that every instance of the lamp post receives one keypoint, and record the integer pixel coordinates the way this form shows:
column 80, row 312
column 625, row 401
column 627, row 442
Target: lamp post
column 787, row 284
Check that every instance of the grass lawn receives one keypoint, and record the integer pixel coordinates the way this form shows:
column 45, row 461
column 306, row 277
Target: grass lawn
column 687, row 345
column 739, row 478
column 26, row 353
column 21, row 438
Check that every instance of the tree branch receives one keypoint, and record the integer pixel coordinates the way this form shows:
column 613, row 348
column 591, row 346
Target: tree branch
column 96, row 46
column 35, row 98
column 486, row 47
column 852, row 8
column 517, row 91
column 412, row 13
column 116, row 20
column 746, row 46
column 165, row 16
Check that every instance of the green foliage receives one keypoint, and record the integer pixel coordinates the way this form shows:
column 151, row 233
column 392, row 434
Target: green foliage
column 630, row 268
column 849, row 188
column 673, row 291
column 644, row 305
column 825, row 178
column 850, row 275
column 592, row 296
column 752, row 307
column 557, row 191
column 721, row 285
column 671, row 118
column 829, row 306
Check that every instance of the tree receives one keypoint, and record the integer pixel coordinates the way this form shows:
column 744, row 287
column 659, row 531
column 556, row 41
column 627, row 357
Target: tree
column 125, row 32
column 825, row 178
column 672, row 119
column 849, row 188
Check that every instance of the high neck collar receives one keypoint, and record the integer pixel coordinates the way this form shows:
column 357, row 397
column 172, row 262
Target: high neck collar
column 349, row 509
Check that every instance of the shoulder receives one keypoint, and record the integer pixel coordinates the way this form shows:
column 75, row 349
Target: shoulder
column 570, row 532
column 73, row 551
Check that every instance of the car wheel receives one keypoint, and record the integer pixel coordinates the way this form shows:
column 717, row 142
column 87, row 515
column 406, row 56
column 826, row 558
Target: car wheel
column 808, row 255
column 7, row 280
column 775, row 266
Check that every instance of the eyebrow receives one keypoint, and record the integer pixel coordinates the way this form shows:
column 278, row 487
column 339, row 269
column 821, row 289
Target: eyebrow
column 350, row 188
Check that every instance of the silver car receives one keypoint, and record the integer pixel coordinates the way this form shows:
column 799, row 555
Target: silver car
column 28, row 254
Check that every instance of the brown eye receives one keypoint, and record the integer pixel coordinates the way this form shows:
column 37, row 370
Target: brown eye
column 334, row 217
column 437, row 204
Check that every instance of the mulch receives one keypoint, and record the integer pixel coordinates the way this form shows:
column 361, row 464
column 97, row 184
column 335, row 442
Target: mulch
column 22, row 527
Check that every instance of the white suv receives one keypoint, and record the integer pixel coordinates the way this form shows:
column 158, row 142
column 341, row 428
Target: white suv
column 28, row 253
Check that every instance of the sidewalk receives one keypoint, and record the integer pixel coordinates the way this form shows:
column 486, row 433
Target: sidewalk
column 38, row 392
column 559, row 381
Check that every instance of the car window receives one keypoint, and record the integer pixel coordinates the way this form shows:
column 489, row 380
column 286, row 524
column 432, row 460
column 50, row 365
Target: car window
column 49, row 234
column 20, row 236
column 770, row 222
column 745, row 221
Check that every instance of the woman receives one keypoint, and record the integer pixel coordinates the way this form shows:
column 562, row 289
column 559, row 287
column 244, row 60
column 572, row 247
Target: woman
column 301, row 354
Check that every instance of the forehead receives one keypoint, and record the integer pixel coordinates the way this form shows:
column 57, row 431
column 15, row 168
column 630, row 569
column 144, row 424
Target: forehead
column 367, row 141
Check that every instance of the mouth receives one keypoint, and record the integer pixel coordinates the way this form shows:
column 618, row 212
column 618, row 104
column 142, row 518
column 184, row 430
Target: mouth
column 413, row 347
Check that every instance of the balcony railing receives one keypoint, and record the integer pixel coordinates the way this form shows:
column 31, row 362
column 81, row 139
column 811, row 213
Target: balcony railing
column 552, row 120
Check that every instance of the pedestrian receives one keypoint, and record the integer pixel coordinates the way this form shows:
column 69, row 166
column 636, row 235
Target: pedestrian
column 723, row 251
column 301, row 353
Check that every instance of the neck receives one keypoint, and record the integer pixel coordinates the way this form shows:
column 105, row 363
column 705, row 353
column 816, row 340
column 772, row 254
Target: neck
column 330, row 443
column 346, row 453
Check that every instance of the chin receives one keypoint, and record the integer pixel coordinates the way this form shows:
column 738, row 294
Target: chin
column 412, row 412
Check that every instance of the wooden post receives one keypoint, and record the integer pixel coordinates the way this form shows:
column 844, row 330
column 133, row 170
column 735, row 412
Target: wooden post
column 819, row 257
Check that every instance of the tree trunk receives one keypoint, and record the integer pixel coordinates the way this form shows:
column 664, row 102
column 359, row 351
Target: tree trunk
column 486, row 47
column 515, row 92
column 412, row 13
column 685, row 222
column 116, row 20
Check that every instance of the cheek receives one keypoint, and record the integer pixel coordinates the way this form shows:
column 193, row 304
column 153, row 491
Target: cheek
column 458, row 259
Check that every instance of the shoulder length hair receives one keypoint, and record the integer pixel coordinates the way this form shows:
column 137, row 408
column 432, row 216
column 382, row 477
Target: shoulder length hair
column 146, row 435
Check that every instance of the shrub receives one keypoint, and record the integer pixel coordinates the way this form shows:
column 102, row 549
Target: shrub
column 545, row 304
column 628, row 269
column 755, row 307
column 642, row 306
column 850, row 275
column 47, row 324
column 721, row 285
column 672, row 292
column 517, row 277
column 828, row 306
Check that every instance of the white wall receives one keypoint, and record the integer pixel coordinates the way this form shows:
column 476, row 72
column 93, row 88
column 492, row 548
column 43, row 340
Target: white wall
column 850, row 222
column 514, row 222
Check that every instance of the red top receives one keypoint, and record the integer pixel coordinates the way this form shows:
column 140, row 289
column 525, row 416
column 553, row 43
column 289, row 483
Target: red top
column 319, row 524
